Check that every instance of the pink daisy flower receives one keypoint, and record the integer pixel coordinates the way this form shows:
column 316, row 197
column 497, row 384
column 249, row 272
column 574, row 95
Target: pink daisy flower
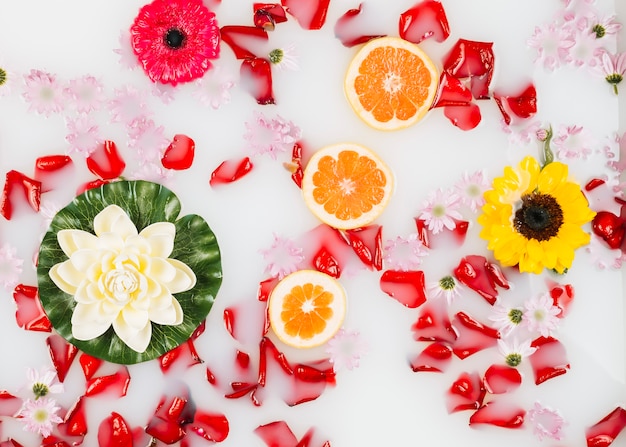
column 40, row 415
column 546, row 422
column 613, row 68
column 572, row 142
column 175, row 40
column 471, row 188
column 346, row 349
column 605, row 26
column 128, row 59
column 552, row 43
column 128, row 105
column 43, row 92
column 541, row 315
column 86, row 94
column 148, row 140
column 83, row 135
column 440, row 209
column 285, row 58
column 446, row 287
column 43, row 382
column 514, row 351
column 586, row 49
column 10, row 267
column 404, row 254
column 283, row 257
column 506, row 319
column 213, row 89
column 270, row 136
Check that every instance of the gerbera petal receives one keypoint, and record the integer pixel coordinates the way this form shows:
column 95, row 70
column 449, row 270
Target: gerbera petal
column 73, row 240
column 137, row 340
column 185, row 278
column 160, row 236
column 114, row 219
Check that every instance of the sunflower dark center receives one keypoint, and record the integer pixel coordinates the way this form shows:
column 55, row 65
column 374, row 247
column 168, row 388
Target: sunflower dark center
column 540, row 217
column 175, row 38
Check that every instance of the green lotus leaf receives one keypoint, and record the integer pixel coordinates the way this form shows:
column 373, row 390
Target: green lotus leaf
column 145, row 203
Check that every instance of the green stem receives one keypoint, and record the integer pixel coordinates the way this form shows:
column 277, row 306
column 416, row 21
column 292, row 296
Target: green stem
column 548, row 155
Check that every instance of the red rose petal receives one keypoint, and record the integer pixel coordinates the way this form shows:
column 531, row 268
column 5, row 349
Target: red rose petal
column 422, row 232
column 434, row 358
column 594, row 183
column 473, row 336
column 265, row 288
column 230, row 171
column 106, row 162
column 90, row 185
column 325, row 262
column 295, row 167
column 165, row 431
column 48, row 167
column 75, row 422
column 465, row 117
column 473, row 60
column 62, row 354
column 549, row 360
column 116, row 384
column 256, row 79
column 241, row 38
column 179, row 154
column 451, row 92
column 276, row 434
column 30, row 314
column 466, row 393
column 367, row 244
column 89, row 365
column 345, row 28
column 562, row 295
column 499, row 414
column 424, row 20
column 10, row 405
column 500, row 379
column 604, row 432
column 310, row 14
column 267, row 15
column 433, row 323
column 184, row 354
column 10, row 443
column 408, row 288
column 31, row 189
column 210, row 426
column 114, row 432
column 610, row 228
column 481, row 276
column 242, row 360
column 522, row 106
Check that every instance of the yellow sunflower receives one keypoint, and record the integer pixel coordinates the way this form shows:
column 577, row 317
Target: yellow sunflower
column 533, row 217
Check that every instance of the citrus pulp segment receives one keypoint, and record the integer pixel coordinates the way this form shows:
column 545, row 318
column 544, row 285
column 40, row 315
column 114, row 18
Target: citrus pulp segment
column 391, row 83
column 306, row 308
column 346, row 185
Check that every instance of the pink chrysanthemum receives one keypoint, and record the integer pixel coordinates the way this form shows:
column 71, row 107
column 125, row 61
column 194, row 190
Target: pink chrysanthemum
column 152, row 172
column 572, row 142
column 175, row 40
column 83, row 135
column 471, row 188
column 546, row 422
column 586, row 50
column 43, row 92
column 602, row 256
column 214, row 88
column 552, row 44
column 506, row 319
column 148, row 140
column 514, row 351
column 541, row 315
column 619, row 143
column 44, row 382
column 270, row 136
column 446, row 287
column 10, row 267
column 404, row 254
column 613, row 68
column 283, row 257
column 165, row 92
column 605, row 26
column 128, row 105
column 346, row 349
column 40, row 415
column 85, row 93
column 440, row 210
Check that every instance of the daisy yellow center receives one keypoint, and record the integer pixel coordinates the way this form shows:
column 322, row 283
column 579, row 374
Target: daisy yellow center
column 473, row 191
column 40, row 415
column 540, row 217
column 539, row 314
column 276, row 56
column 3, row 76
column 447, row 283
column 515, row 315
column 439, row 210
column 40, row 389
column 513, row 359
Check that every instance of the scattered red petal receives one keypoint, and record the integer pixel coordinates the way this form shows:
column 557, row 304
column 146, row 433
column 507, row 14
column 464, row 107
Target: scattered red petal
column 481, row 276
column 308, row 373
column 408, row 288
column 324, row 237
column 239, row 38
column 229, row 320
column 422, row 232
column 184, row 353
column 451, row 92
column 500, row 379
column 165, row 431
column 30, row 314
column 279, row 357
column 242, row 360
column 105, row 162
column 267, row 15
column 562, row 296
column 230, row 171
column 604, row 432
column 210, row 377
column 549, row 360
column 295, row 167
column 90, row 185
column 276, row 434
column 10, row 443
column 48, row 164
column 75, row 421
column 465, row 117
column 499, row 414
column 62, row 354
column 466, row 393
column 210, row 426
column 256, row 79
column 610, row 228
column 310, row 14
column 241, row 389
column 10, row 405
column 473, row 60
column 594, row 183
column 473, row 336
column 31, row 189
column 522, row 106
column 344, row 29
column 179, row 154
column 325, row 262
column 434, row 358
column 367, row 244
column 424, row 20
column 89, row 365
column 265, row 288
column 116, row 383
column 433, row 323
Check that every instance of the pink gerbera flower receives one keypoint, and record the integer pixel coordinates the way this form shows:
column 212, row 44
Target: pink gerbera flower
column 40, row 415
column 43, row 92
column 572, row 142
column 86, row 93
column 440, row 210
column 175, row 40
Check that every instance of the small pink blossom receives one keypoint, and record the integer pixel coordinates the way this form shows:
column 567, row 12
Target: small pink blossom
column 128, row 105
column 128, row 59
column 10, row 267
column 572, row 142
column 213, row 89
column 404, row 253
column 522, row 134
column 44, row 382
column 43, row 92
column 605, row 26
column 546, row 422
column 85, row 93
column 83, row 135
column 541, row 315
column 506, row 319
column 148, row 140
column 40, row 415
column 47, row 210
column 471, row 188
column 613, row 68
column 346, row 349
column 270, row 136
column 552, row 43
column 586, row 50
column 440, row 210
column 283, row 257
column 514, row 351
column 446, row 287
column 165, row 92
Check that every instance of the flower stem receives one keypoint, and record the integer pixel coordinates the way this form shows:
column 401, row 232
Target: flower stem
column 548, row 155
column 615, row 89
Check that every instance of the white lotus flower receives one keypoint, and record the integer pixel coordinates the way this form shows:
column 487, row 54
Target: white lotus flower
column 122, row 278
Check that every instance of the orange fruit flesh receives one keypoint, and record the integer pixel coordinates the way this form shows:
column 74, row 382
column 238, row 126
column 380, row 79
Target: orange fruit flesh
column 348, row 186
column 305, row 310
column 392, row 82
